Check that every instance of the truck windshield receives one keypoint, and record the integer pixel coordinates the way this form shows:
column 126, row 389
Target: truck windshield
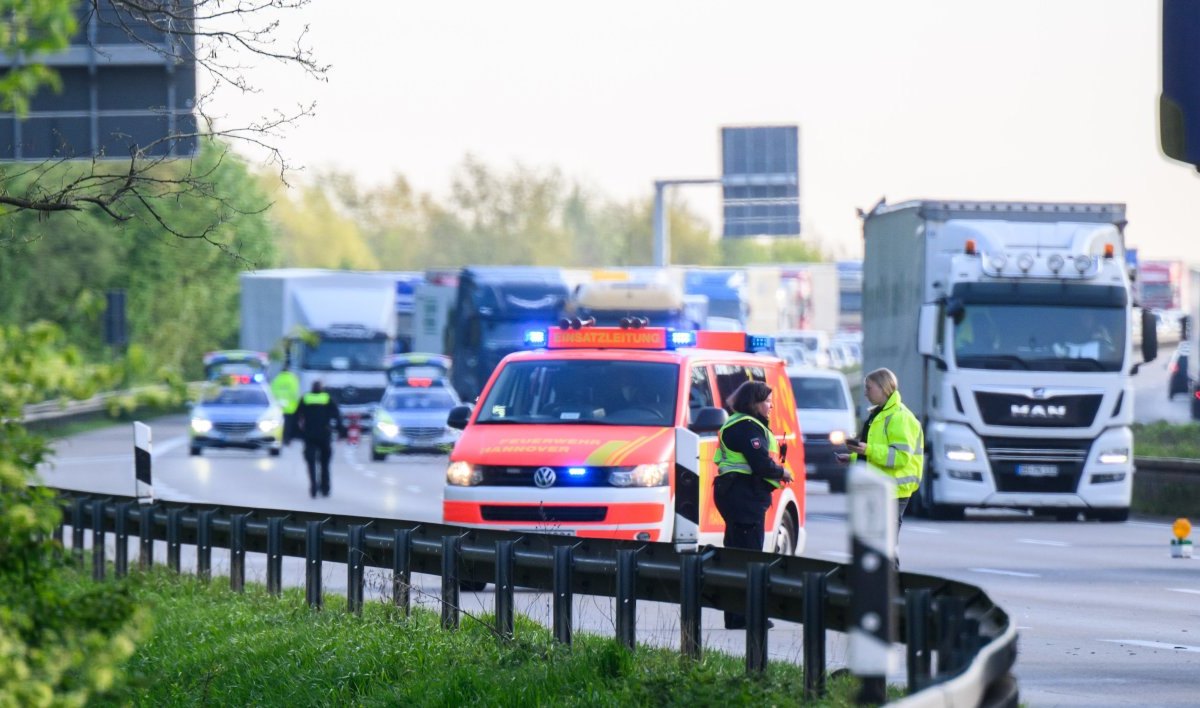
column 346, row 355
column 583, row 392
column 1040, row 338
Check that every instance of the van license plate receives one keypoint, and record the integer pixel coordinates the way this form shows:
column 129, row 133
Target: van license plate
column 1037, row 470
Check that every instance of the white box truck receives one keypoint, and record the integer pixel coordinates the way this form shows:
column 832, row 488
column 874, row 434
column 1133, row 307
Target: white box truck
column 1008, row 326
column 335, row 326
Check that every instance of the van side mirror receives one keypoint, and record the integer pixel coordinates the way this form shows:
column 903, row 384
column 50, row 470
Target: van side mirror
column 1149, row 336
column 458, row 417
column 708, row 420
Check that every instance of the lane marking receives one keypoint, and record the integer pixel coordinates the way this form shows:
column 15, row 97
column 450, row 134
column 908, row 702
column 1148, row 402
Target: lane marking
column 1187, row 590
column 835, row 554
column 1154, row 645
column 1013, row 573
column 1147, row 524
column 924, row 529
column 1039, row 542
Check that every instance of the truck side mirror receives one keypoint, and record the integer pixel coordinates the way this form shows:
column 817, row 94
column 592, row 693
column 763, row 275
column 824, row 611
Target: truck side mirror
column 459, row 415
column 1149, row 336
column 708, row 420
column 927, row 330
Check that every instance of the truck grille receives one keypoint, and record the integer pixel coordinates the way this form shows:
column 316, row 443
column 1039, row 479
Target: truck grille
column 544, row 513
column 1056, row 412
column 355, row 396
column 1013, row 458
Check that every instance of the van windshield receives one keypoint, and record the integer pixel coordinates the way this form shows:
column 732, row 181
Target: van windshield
column 583, row 391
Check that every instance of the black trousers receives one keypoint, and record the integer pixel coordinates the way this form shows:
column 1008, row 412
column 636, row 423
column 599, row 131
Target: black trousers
column 749, row 536
column 315, row 452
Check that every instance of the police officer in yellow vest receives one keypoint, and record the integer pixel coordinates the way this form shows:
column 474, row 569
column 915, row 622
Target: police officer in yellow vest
column 894, row 444
column 317, row 418
column 746, row 472
column 286, row 389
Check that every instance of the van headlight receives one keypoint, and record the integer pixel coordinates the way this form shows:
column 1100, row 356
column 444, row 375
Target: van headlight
column 837, row 437
column 960, row 453
column 201, row 425
column 1115, row 456
column 651, row 475
column 463, row 474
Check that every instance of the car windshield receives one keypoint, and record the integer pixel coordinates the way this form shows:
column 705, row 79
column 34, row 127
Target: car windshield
column 237, row 397
column 583, row 391
column 818, row 393
column 1040, row 338
column 419, row 399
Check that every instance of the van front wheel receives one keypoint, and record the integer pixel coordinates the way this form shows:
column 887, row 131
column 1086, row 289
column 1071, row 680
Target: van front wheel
column 785, row 538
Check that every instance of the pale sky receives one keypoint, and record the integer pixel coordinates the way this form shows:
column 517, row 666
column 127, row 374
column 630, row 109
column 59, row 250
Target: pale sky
column 1012, row 100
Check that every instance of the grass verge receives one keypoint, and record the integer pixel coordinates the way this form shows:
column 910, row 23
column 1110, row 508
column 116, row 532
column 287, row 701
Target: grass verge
column 1163, row 439
column 210, row 646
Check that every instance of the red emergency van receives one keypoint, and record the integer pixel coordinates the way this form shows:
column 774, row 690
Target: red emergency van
column 610, row 432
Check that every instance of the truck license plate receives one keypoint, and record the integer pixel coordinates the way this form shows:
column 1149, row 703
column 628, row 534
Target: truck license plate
column 1037, row 470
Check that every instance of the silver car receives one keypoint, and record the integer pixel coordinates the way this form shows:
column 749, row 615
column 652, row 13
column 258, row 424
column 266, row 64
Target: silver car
column 245, row 417
column 413, row 419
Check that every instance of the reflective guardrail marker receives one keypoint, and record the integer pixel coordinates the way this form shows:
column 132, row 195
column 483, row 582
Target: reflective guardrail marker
column 143, row 489
column 1181, row 545
column 872, row 577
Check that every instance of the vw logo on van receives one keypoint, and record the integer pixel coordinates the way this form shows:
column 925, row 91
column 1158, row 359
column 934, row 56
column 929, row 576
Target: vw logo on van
column 544, row 477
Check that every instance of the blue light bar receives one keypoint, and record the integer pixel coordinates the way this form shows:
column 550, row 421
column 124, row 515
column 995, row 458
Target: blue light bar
column 535, row 338
column 682, row 339
column 760, row 343
column 577, row 471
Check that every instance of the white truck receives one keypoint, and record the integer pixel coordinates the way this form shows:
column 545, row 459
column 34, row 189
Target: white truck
column 335, row 326
column 1009, row 328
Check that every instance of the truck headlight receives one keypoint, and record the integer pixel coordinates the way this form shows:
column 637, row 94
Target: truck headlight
column 837, row 437
column 463, row 474
column 201, row 425
column 960, row 453
column 651, row 475
column 1115, row 456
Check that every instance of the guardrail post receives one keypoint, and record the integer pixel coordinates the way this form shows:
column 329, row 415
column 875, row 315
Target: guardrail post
column 814, row 635
column 355, row 550
column 872, row 579
column 756, row 617
column 204, row 544
column 917, row 604
column 564, row 599
column 98, row 561
column 450, row 548
column 627, row 571
column 237, row 552
column 146, row 536
column 77, row 529
column 59, row 528
column 402, row 570
column 949, row 615
column 174, row 531
column 691, row 576
column 504, row 589
column 313, row 537
column 275, row 555
column 121, row 529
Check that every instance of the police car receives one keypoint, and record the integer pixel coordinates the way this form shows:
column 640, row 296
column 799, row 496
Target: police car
column 236, row 366
column 242, row 416
column 609, row 432
column 412, row 415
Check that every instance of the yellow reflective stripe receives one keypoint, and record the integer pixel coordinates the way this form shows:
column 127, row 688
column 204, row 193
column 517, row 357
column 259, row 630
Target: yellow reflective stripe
column 907, row 480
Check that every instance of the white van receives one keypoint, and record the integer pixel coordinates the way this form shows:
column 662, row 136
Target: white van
column 803, row 346
column 826, row 414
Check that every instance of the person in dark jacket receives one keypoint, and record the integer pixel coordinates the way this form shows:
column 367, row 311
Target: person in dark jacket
column 317, row 417
column 747, row 474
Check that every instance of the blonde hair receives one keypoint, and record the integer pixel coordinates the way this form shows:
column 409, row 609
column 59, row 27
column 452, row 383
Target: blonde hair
column 885, row 380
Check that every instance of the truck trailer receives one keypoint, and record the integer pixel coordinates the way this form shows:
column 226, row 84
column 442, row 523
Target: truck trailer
column 1008, row 326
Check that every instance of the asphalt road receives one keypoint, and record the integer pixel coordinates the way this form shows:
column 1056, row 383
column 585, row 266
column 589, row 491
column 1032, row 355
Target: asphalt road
column 1106, row 616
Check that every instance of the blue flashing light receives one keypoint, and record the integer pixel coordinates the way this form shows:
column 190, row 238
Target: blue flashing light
column 760, row 343
column 577, row 471
column 535, row 338
column 682, row 339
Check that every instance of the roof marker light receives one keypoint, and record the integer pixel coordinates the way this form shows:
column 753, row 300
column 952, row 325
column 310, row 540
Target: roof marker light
column 1108, row 251
column 760, row 343
column 535, row 338
column 1055, row 262
column 969, row 249
column 1083, row 263
column 682, row 339
column 1025, row 262
column 998, row 261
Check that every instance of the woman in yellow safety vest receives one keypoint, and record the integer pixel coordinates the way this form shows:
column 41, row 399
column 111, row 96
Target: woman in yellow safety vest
column 747, row 474
column 894, row 444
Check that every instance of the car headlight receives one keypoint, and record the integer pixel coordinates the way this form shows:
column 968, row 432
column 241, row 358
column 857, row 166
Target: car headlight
column 387, row 428
column 960, row 453
column 201, row 425
column 1115, row 456
column 269, row 423
column 463, row 474
column 837, row 437
column 651, row 475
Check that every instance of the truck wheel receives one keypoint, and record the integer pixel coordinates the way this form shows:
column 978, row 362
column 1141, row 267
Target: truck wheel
column 377, row 456
column 947, row 512
column 194, row 451
column 1109, row 515
column 274, row 451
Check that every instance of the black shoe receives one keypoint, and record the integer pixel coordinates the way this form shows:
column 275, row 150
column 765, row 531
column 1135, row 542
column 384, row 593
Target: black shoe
column 312, row 493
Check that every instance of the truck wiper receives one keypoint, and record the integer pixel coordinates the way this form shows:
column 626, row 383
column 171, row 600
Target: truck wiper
column 991, row 361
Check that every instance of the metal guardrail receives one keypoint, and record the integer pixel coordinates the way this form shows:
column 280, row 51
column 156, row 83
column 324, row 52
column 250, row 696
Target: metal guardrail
column 1167, row 464
column 67, row 409
column 960, row 646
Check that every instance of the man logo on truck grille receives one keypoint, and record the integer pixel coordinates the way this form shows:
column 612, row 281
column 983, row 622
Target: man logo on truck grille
column 1037, row 411
column 544, row 477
